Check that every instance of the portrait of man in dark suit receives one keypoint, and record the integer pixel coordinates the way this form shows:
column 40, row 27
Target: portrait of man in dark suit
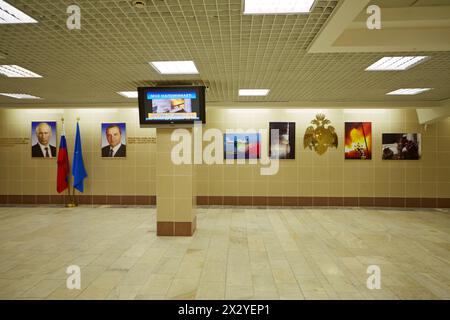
column 114, row 138
column 44, row 141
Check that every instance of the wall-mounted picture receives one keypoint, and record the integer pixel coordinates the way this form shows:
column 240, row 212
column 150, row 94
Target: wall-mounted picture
column 358, row 140
column 401, row 146
column 284, row 146
column 321, row 135
column 114, row 137
column 43, row 139
column 242, row 146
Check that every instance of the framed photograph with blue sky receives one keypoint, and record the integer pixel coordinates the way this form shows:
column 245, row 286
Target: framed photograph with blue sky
column 242, row 146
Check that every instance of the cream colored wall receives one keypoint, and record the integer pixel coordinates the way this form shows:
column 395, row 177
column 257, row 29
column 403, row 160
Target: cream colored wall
column 309, row 174
column 22, row 175
column 330, row 175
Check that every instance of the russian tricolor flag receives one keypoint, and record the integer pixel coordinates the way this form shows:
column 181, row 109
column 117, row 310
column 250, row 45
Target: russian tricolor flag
column 62, row 180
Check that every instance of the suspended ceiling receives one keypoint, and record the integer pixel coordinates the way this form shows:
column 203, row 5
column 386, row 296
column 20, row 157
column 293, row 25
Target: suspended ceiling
column 111, row 53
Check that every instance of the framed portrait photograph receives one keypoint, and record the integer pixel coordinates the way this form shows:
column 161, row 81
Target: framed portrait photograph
column 401, row 146
column 284, row 146
column 242, row 146
column 43, row 139
column 114, row 140
column 358, row 140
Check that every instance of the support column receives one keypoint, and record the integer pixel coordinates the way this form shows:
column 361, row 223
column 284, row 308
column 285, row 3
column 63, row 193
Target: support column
column 175, row 190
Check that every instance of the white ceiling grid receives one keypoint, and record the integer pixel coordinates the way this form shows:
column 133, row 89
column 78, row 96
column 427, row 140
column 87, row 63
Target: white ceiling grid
column 116, row 41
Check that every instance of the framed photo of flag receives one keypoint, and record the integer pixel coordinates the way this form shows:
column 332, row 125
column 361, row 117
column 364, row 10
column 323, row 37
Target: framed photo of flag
column 242, row 145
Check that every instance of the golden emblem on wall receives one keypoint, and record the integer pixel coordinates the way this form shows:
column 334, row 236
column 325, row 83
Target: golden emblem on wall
column 321, row 137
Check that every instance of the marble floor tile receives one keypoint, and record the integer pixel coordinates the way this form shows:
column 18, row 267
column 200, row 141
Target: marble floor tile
column 211, row 290
column 239, row 292
column 235, row 253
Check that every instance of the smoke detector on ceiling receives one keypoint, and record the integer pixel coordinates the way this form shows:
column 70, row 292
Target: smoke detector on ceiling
column 139, row 3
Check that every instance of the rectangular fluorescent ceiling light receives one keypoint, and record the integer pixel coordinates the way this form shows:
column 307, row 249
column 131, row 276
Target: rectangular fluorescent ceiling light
column 19, row 96
column 129, row 94
column 277, row 6
column 254, row 110
column 175, row 67
column 396, row 63
column 253, row 92
column 9, row 14
column 13, row 71
column 406, row 92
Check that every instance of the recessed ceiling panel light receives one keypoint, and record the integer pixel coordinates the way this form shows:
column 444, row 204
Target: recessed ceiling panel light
column 253, row 92
column 19, row 96
column 175, row 67
column 129, row 94
column 277, row 6
column 13, row 71
column 9, row 14
column 396, row 63
column 253, row 110
column 403, row 92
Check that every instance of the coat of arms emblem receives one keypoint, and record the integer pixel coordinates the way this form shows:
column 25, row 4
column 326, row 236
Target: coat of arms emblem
column 320, row 137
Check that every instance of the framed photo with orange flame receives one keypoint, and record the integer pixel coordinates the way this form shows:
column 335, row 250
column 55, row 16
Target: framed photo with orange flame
column 358, row 140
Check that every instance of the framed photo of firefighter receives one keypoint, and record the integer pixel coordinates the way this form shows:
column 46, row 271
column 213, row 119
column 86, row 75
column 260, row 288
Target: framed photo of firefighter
column 114, row 140
column 43, row 139
column 282, row 145
column 242, row 146
column 401, row 146
column 358, row 140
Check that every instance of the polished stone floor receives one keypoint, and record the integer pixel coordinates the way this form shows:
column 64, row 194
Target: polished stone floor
column 236, row 253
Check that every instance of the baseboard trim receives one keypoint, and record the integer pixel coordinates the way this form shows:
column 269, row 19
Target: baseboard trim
column 256, row 201
column 80, row 199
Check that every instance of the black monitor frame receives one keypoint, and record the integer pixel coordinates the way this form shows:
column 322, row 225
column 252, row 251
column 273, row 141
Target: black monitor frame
column 160, row 123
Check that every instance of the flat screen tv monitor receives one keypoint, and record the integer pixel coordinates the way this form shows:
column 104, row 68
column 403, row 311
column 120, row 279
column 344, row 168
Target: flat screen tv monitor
column 171, row 105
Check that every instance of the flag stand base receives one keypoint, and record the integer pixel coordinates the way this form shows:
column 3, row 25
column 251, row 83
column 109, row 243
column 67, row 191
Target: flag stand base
column 71, row 205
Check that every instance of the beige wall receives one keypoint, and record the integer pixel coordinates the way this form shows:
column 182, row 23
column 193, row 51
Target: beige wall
column 134, row 175
column 309, row 174
column 330, row 175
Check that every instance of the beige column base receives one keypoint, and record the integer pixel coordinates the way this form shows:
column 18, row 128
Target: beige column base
column 183, row 229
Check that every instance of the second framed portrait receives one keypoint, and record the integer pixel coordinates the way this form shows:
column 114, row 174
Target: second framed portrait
column 114, row 140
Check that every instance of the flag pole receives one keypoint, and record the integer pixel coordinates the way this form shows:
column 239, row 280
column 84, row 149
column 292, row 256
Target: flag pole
column 74, row 203
column 71, row 203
